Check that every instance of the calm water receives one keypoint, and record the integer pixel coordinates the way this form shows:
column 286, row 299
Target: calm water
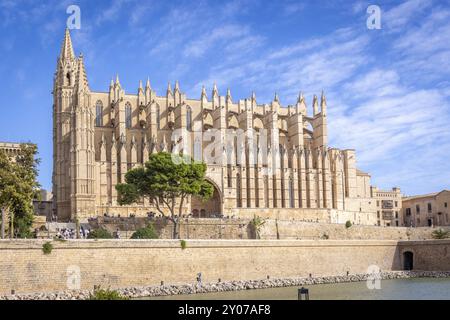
column 400, row 289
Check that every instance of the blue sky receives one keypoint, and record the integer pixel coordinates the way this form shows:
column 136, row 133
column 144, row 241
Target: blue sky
column 388, row 90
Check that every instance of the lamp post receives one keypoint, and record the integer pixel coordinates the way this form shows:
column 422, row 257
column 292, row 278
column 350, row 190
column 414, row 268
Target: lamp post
column 303, row 292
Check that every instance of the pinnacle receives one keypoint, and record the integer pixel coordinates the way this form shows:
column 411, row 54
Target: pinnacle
column 81, row 79
column 67, row 52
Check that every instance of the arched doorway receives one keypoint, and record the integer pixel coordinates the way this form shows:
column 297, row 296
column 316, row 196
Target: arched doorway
column 211, row 208
column 408, row 260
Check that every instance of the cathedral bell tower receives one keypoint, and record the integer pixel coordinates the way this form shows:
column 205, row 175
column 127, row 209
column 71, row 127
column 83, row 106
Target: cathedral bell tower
column 73, row 137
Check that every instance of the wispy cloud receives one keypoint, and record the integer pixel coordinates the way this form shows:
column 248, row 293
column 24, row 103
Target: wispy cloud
column 426, row 47
column 110, row 12
column 388, row 90
column 402, row 14
column 392, row 122
column 294, row 8
column 198, row 47
column 311, row 66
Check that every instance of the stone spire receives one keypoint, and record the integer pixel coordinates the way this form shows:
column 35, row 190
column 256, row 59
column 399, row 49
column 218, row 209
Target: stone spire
column 315, row 105
column 301, row 104
column 204, row 96
column 111, row 90
column 323, row 99
column 301, row 98
column 215, row 92
column 67, row 48
column 203, row 92
column 323, row 103
column 253, row 96
column 148, row 91
column 276, row 98
column 177, row 86
column 169, row 89
column 140, row 89
column 117, row 80
column 229, row 98
column 81, row 81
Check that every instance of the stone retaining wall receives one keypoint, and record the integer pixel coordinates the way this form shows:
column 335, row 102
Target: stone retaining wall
column 128, row 263
column 284, row 229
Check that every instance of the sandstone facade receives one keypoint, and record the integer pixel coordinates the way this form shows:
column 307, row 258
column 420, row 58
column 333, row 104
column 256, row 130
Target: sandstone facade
column 99, row 136
column 389, row 207
column 118, row 264
column 427, row 210
column 11, row 149
column 271, row 230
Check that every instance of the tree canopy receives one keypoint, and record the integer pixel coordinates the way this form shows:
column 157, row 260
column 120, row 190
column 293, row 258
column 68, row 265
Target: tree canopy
column 18, row 188
column 165, row 183
column 148, row 232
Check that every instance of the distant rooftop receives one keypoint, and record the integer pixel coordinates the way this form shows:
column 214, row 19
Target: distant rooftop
column 6, row 144
column 9, row 144
column 428, row 195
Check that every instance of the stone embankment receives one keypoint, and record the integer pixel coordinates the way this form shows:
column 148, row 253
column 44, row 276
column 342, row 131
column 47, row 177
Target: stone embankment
column 168, row 290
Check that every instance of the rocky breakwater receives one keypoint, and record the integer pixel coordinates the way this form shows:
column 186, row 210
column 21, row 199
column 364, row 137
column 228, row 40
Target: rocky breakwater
column 170, row 290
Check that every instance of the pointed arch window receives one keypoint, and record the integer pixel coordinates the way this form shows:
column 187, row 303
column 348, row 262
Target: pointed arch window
column 189, row 119
column 266, row 190
column 128, row 116
column 158, row 118
column 98, row 114
column 197, row 150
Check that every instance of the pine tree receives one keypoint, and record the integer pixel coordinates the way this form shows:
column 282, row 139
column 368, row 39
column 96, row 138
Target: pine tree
column 165, row 183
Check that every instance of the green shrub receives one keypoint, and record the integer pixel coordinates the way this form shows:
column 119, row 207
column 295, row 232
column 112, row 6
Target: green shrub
column 183, row 244
column 106, row 294
column 100, row 234
column 256, row 225
column 348, row 224
column 440, row 234
column 148, row 232
column 47, row 248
